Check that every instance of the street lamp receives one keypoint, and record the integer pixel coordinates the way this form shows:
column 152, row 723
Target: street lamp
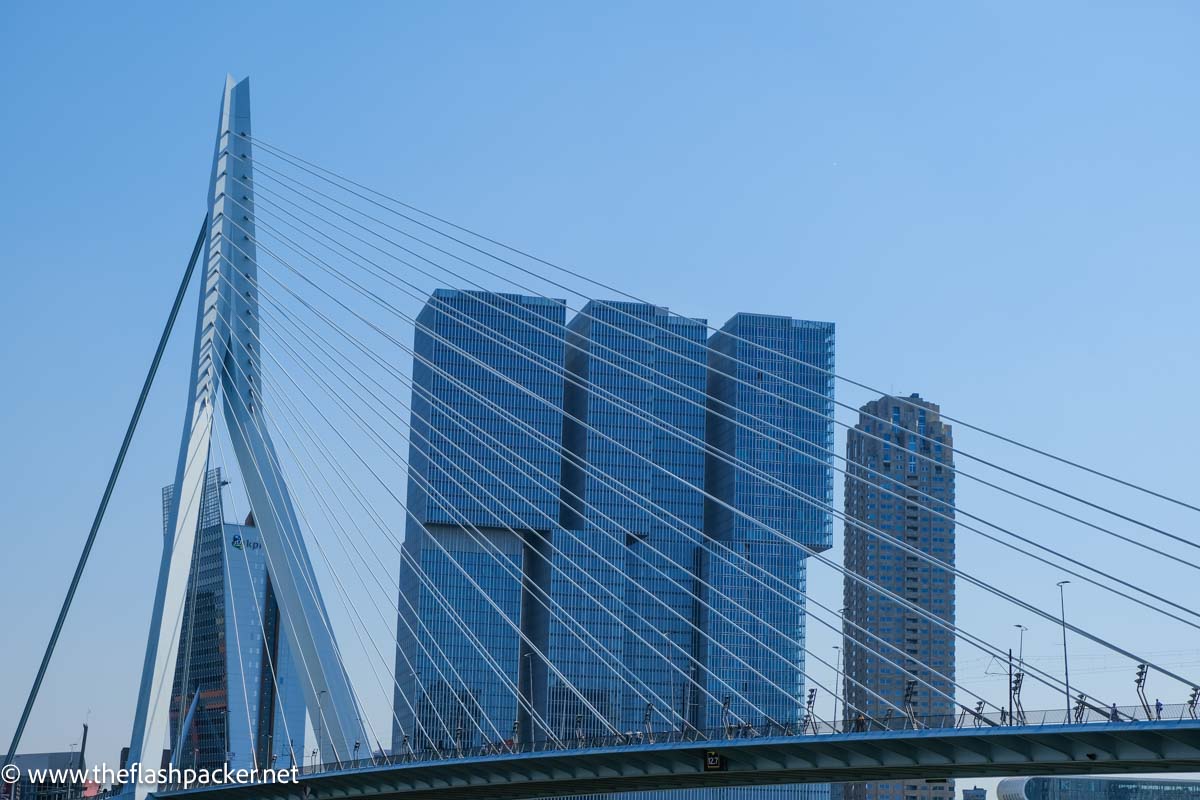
column 529, row 704
column 320, row 717
column 837, row 670
column 1066, row 666
column 1021, row 646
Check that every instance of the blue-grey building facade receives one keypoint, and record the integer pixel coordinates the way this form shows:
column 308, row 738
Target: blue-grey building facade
column 483, row 497
column 625, row 557
column 899, row 537
column 770, row 396
column 628, row 416
column 769, row 425
column 1097, row 787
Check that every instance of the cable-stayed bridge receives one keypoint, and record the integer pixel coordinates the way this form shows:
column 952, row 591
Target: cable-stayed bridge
column 604, row 528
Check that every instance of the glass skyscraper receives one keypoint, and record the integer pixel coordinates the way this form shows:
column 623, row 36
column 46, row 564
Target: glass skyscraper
column 770, row 389
column 236, row 693
column 571, row 504
column 770, row 402
column 483, row 496
column 899, row 493
column 634, row 393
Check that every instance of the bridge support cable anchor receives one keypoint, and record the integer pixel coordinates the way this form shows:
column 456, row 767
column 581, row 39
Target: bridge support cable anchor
column 1018, row 710
column 978, row 718
column 810, row 717
column 108, row 490
column 1140, row 682
column 910, row 696
column 1083, row 704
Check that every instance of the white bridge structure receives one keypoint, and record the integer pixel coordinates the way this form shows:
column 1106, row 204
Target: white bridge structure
column 604, row 529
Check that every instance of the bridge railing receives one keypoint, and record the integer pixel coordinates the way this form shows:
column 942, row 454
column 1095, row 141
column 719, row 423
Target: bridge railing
column 1089, row 713
column 1086, row 713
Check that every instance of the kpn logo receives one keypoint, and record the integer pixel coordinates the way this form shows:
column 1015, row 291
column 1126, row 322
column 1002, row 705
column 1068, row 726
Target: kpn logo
column 245, row 544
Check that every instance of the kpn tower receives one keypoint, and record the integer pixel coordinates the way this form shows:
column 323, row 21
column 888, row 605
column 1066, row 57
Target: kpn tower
column 236, row 697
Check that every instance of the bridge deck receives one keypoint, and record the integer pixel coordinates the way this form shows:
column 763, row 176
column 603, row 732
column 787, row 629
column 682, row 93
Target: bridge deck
column 1119, row 747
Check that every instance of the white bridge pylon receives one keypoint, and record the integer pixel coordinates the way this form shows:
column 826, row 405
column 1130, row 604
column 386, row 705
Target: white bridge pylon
column 225, row 365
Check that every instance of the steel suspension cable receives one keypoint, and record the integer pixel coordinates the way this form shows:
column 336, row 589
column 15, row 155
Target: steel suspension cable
column 862, row 412
column 472, row 580
column 371, row 296
column 115, row 473
column 916, row 609
column 312, row 588
column 351, row 610
column 444, row 507
column 451, row 412
column 259, row 611
column 335, row 396
column 1009, row 440
column 882, row 487
column 293, row 556
column 399, row 344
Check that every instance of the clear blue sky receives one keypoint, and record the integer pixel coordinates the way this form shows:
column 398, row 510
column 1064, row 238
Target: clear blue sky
column 996, row 203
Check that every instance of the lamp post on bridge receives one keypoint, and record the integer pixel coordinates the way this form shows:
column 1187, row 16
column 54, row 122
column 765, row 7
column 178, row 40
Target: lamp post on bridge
column 1062, row 601
column 837, row 670
column 529, row 700
column 320, row 715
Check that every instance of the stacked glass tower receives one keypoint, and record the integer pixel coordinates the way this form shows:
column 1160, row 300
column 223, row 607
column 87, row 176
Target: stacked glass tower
column 624, row 560
column 770, row 403
column 899, row 493
column 593, row 503
column 236, row 696
column 770, row 389
column 483, row 496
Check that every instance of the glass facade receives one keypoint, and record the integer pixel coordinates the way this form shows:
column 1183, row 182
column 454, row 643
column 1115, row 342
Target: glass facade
column 1097, row 788
column 889, row 484
column 629, row 368
column 751, row 381
column 233, row 652
column 770, row 398
column 632, row 545
column 483, row 496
